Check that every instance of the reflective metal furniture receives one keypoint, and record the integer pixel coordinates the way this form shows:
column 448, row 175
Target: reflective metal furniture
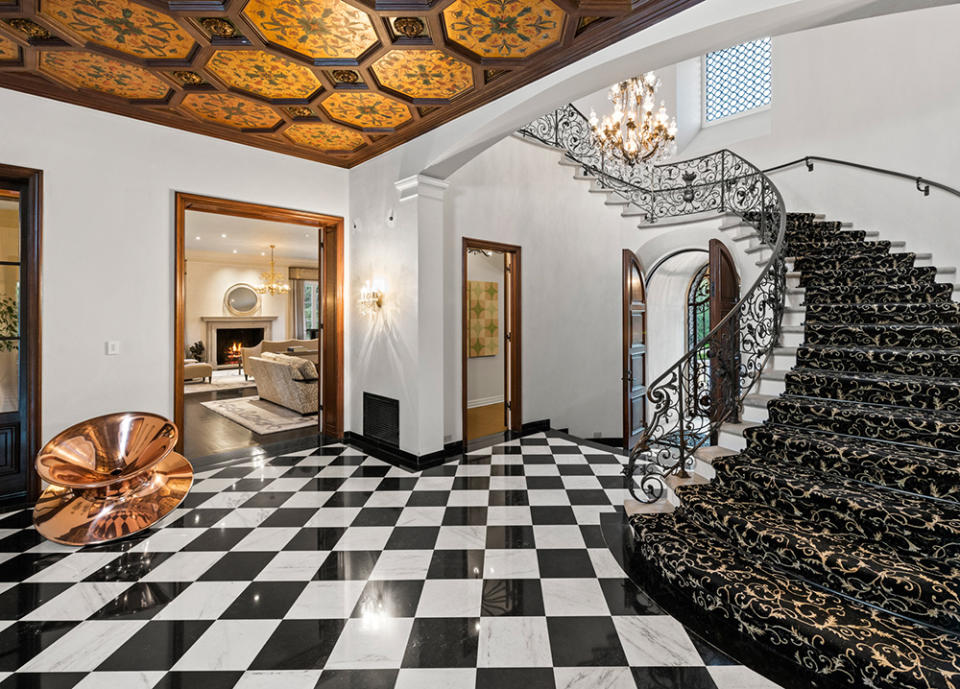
column 110, row 477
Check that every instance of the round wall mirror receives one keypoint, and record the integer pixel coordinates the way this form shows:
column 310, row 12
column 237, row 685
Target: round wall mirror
column 241, row 299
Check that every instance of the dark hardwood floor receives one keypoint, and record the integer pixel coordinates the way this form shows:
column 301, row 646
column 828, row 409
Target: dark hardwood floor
column 207, row 433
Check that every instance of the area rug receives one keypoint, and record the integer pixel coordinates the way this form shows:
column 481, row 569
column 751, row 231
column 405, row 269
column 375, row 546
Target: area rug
column 260, row 416
column 222, row 380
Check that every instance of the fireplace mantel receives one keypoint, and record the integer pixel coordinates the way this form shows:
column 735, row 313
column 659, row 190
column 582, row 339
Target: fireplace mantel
column 215, row 323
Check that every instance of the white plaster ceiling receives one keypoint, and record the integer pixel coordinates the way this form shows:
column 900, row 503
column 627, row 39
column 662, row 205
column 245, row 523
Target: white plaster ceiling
column 245, row 237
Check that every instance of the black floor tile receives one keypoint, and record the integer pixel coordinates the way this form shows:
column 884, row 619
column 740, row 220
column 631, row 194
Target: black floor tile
column 351, row 564
column 288, row 517
column 200, row 518
column 371, row 472
column 299, row 645
column 624, row 598
column 315, row 538
column 673, row 678
column 156, row 646
column 20, row 541
column 593, row 536
column 456, row 564
column 564, row 562
column 588, row 497
column 25, row 598
column 397, row 484
column 471, row 483
column 544, row 515
column 413, row 538
column 21, row 641
column 268, row 499
column 217, row 540
column 265, row 600
column 442, row 642
column 326, row 484
column 389, row 598
column 377, row 516
column 141, row 601
column 575, row 470
column 348, row 499
column 585, row 641
column 238, row 566
column 465, row 516
column 26, row 565
column 526, row 677
column 512, row 598
column 428, row 498
column 42, row 680
column 506, row 470
column 508, row 498
column 511, row 536
column 710, row 654
column 199, row 680
column 357, row 679
column 129, row 567
column 544, row 483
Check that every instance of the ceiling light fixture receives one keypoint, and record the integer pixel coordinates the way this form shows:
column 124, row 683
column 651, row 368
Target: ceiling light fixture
column 270, row 281
column 634, row 130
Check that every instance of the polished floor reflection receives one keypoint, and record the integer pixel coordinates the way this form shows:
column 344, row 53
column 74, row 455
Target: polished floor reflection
column 329, row 569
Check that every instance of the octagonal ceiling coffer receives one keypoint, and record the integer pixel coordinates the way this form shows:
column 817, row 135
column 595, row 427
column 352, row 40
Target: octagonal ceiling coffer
column 324, row 137
column 231, row 110
column 264, row 74
column 366, row 110
column 85, row 69
column 507, row 29
column 423, row 74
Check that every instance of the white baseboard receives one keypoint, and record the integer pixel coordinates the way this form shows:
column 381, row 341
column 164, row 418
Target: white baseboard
column 484, row 401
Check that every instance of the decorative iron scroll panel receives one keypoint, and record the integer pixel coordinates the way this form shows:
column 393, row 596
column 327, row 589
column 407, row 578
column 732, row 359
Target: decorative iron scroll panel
column 721, row 182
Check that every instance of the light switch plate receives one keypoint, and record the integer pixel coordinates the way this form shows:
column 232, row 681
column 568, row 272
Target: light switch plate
column 113, row 347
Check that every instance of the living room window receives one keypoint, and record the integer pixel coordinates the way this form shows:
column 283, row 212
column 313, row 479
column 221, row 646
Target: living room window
column 311, row 308
column 736, row 80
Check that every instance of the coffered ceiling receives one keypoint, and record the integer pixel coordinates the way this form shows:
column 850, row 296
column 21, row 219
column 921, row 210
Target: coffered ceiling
column 337, row 81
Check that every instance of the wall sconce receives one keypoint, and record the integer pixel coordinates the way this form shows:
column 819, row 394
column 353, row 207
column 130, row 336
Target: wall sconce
column 371, row 297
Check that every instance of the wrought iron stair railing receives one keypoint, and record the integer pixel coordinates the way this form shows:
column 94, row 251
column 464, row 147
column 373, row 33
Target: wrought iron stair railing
column 736, row 350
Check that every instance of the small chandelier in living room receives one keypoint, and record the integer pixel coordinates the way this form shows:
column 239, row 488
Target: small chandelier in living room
column 272, row 282
column 634, row 130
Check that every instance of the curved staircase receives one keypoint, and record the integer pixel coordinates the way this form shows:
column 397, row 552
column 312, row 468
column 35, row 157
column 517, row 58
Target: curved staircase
column 832, row 541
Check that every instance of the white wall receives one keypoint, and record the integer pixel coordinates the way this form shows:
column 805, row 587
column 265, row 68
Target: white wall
column 108, row 263
column 485, row 373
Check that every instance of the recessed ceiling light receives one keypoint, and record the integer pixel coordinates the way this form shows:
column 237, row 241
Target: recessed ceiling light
column 197, row 237
column 234, row 251
column 224, row 236
column 263, row 253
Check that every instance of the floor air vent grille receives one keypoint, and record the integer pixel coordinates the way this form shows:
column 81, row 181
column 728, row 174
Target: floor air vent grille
column 381, row 419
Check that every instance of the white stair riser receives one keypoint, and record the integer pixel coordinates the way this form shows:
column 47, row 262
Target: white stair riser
column 784, row 362
column 754, row 414
column 791, row 339
column 771, row 387
column 793, row 318
column 795, row 300
column 734, row 441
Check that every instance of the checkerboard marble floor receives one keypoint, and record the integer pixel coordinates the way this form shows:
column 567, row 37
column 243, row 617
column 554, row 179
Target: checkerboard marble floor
column 327, row 568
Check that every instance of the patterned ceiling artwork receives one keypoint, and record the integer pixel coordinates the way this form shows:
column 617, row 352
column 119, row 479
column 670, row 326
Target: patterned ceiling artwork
column 325, row 137
column 503, row 28
column 122, row 25
column 264, row 74
column 368, row 110
column 423, row 74
column 319, row 29
column 335, row 81
column 231, row 110
column 102, row 73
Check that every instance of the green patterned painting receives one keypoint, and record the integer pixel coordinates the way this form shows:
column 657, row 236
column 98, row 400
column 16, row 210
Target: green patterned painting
column 483, row 323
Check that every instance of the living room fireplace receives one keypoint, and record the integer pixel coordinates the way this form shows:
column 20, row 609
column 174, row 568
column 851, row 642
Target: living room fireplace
column 229, row 340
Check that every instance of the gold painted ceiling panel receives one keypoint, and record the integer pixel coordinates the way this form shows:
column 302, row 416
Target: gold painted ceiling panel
column 368, row 110
column 426, row 74
column 324, row 137
column 134, row 29
column 263, row 73
column 231, row 110
column 503, row 28
column 317, row 29
column 8, row 49
column 84, row 69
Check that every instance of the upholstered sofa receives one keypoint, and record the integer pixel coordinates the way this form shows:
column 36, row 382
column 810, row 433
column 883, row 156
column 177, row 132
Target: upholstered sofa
column 193, row 369
column 279, row 346
column 289, row 381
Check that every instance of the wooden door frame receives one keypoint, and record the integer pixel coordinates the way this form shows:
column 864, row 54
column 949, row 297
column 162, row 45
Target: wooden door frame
column 629, row 258
column 515, row 392
column 31, row 256
column 718, row 255
column 330, row 397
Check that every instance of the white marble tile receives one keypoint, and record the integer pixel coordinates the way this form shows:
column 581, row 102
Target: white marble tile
column 337, row 471
column 293, row 565
column 500, row 515
column 267, row 539
column 308, row 498
column 79, row 601
column 360, row 484
column 506, row 460
column 439, row 678
column 508, row 483
column 278, row 679
column 51, row 547
column 581, row 482
column 555, row 536
column 120, row 680
column 212, row 485
column 594, row 678
column 317, row 461
column 539, row 498
column 228, row 499
column 326, row 600
column 607, row 469
column 655, row 641
column 166, row 541
column 536, row 450
column 559, row 441
column 183, row 566
column 450, row 598
column 590, row 514
column 364, row 538
column 287, row 485
column 468, row 498
column 605, row 565
column 84, row 647
column 227, row 645
column 74, row 567
column 462, row 537
column 513, row 563
column 573, row 598
column 267, row 471
column 388, row 498
column 738, row 677
column 202, row 600
column 371, row 643
column 244, row 518
column 618, row 495
column 541, row 470
column 473, row 470
column 570, row 459
column 421, row 516
column 514, row 642
column 334, row 516
column 400, row 472
column 397, row 565
column 434, row 483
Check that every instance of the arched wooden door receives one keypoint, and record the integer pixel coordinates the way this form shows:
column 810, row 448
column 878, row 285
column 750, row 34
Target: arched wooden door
column 634, row 349
column 725, row 345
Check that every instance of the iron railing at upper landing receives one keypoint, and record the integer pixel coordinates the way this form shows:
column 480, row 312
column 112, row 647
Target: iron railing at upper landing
column 738, row 347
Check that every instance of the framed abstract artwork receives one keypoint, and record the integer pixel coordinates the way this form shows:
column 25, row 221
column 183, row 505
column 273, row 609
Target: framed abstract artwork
column 483, row 318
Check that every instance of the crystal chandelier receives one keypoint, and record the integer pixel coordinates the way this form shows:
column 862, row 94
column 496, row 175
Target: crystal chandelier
column 270, row 281
column 635, row 130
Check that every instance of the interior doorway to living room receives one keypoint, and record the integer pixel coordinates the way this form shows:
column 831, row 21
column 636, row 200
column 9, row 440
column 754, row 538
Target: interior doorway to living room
column 259, row 325
column 491, row 339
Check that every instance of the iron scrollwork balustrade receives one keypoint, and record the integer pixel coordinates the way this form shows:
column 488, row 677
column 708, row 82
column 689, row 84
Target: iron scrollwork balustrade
column 736, row 350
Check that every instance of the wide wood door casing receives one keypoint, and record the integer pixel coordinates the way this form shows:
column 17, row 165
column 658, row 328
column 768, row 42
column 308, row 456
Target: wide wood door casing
column 634, row 349
column 331, row 320
column 725, row 343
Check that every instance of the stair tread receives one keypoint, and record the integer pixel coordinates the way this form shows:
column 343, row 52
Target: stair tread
column 756, row 399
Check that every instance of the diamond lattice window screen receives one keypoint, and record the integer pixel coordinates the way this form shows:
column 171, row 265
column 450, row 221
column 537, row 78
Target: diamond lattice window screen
column 737, row 79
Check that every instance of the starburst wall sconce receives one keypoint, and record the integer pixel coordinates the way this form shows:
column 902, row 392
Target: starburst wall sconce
column 371, row 297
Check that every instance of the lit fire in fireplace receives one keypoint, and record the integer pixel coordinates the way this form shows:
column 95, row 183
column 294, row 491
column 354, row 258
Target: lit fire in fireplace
column 233, row 353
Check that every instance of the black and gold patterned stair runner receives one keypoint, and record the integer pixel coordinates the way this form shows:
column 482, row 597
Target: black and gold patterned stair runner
column 832, row 543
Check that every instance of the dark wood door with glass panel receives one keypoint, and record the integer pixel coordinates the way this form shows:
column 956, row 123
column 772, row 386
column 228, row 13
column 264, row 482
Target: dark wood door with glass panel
column 725, row 343
column 634, row 349
column 19, row 337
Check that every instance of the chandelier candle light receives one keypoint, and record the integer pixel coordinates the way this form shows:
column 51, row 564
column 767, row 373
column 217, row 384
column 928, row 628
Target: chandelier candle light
column 634, row 130
column 272, row 282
